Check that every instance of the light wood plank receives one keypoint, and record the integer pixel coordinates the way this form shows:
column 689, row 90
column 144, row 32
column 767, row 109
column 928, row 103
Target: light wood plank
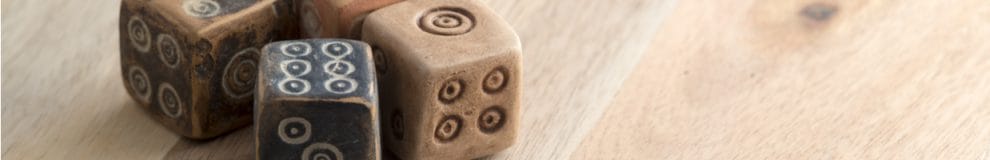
column 755, row 79
column 62, row 92
column 577, row 54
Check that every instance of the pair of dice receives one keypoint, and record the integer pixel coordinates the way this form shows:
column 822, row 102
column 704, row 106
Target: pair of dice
column 436, row 79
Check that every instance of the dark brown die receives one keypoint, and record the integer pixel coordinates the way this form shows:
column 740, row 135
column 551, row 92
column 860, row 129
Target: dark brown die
column 336, row 18
column 317, row 98
column 450, row 78
column 192, row 63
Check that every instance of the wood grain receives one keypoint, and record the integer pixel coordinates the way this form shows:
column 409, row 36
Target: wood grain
column 63, row 95
column 768, row 79
column 65, row 98
column 576, row 54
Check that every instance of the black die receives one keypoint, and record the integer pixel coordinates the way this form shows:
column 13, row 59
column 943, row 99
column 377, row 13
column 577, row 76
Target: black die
column 317, row 99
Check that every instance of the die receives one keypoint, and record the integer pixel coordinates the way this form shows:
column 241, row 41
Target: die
column 192, row 63
column 317, row 99
column 336, row 18
column 450, row 76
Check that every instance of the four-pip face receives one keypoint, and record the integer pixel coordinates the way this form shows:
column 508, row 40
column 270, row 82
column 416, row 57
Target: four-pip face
column 317, row 99
column 192, row 63
column 450, row 78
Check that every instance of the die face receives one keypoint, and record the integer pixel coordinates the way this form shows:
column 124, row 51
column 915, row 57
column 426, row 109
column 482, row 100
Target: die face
column 443, row 32
column 210, row 8
column 465, row 111
column 450, row 86
column 210, row 76
column 200, row 15
column 320, row 68
column 155, row 61
column 315, row 130
column 231, row 83
column 327, row 88
column 336, row 18
column 483, row 96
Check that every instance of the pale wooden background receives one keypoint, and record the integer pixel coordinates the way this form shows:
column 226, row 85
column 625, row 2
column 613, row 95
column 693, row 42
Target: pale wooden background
column 632, row 79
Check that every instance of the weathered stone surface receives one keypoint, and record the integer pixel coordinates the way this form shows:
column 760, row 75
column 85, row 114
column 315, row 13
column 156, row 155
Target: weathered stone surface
column 450, row 76
column 317, row 98
column 192, row 63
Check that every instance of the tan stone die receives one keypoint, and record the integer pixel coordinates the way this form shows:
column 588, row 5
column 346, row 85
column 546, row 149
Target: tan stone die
column 450, row 73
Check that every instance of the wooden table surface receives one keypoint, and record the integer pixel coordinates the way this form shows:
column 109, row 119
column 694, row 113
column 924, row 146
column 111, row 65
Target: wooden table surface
column 632, row 79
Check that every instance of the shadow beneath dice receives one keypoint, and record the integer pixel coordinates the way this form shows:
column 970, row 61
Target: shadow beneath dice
column 236, row 145
column 388, row 155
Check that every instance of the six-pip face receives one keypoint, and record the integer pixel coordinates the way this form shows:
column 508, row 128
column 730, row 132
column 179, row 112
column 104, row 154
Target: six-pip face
column 317, row 99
